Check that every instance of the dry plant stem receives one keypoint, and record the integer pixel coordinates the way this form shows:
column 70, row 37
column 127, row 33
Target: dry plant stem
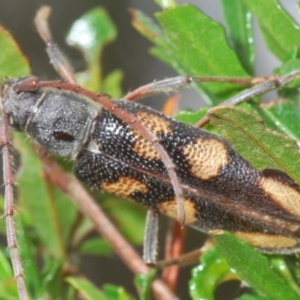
column 190, row 258
column 174, row 248
column 9, row 209
column 84, row 202
column 186, row 259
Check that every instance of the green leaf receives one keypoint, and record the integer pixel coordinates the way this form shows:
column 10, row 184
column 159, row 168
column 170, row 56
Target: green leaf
column 82, row 231
column 297, row 272
column 131, row 222
column 95, row 246
column 28, row 252
column 144, row 284
column 8, row 291
column 250, row 297
column 5, row 267
column 12, row 61
column 2, row 220
column 113, row 292
column 207, row 276
column 90, row 292
column 166, row 3
column 194, row 52
column 290, row 66
column 281, row 267
column 148, row 28
column 190, row 49
column 191, row 117
column 254, row 268
column 86, row 289
column 112, row 84
column 282, row 117
column 239, row 24
column 8, row 287
column 90, row 34
column 52, row 278
column 280, row 31
column 262, row 147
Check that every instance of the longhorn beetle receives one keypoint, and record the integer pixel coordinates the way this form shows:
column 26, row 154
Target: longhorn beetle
column 136, row 152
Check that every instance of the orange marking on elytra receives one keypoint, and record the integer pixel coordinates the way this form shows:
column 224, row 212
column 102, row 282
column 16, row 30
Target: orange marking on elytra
column 283, row 194
column 170, row 209
column 157, row 125
column 267, row 241
column 125, row 186
column 206, row 157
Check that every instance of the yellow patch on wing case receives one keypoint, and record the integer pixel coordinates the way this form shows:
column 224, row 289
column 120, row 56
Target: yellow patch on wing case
column 206, row 157
column 283, row 194
column 125, row 186
column 170, row 209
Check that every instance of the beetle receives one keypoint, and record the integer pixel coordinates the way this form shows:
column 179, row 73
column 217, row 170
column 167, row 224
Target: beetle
column 217, row 184
column 220, row 189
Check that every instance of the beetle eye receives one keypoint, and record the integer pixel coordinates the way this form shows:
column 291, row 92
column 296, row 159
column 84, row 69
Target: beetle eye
column 63, row 136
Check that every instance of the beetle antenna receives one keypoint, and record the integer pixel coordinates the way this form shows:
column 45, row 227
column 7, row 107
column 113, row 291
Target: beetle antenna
column 59, row 61
column 9, row 211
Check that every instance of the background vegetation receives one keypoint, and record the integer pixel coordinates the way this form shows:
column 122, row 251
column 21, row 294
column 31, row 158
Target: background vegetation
column 52, row 234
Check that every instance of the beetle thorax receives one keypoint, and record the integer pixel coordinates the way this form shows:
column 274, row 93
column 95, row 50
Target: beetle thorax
column 58, row 121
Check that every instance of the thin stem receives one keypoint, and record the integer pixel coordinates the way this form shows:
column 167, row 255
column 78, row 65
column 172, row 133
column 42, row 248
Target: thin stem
column 9, row 209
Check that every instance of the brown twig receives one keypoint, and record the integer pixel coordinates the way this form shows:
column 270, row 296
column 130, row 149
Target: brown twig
column 9, row 211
